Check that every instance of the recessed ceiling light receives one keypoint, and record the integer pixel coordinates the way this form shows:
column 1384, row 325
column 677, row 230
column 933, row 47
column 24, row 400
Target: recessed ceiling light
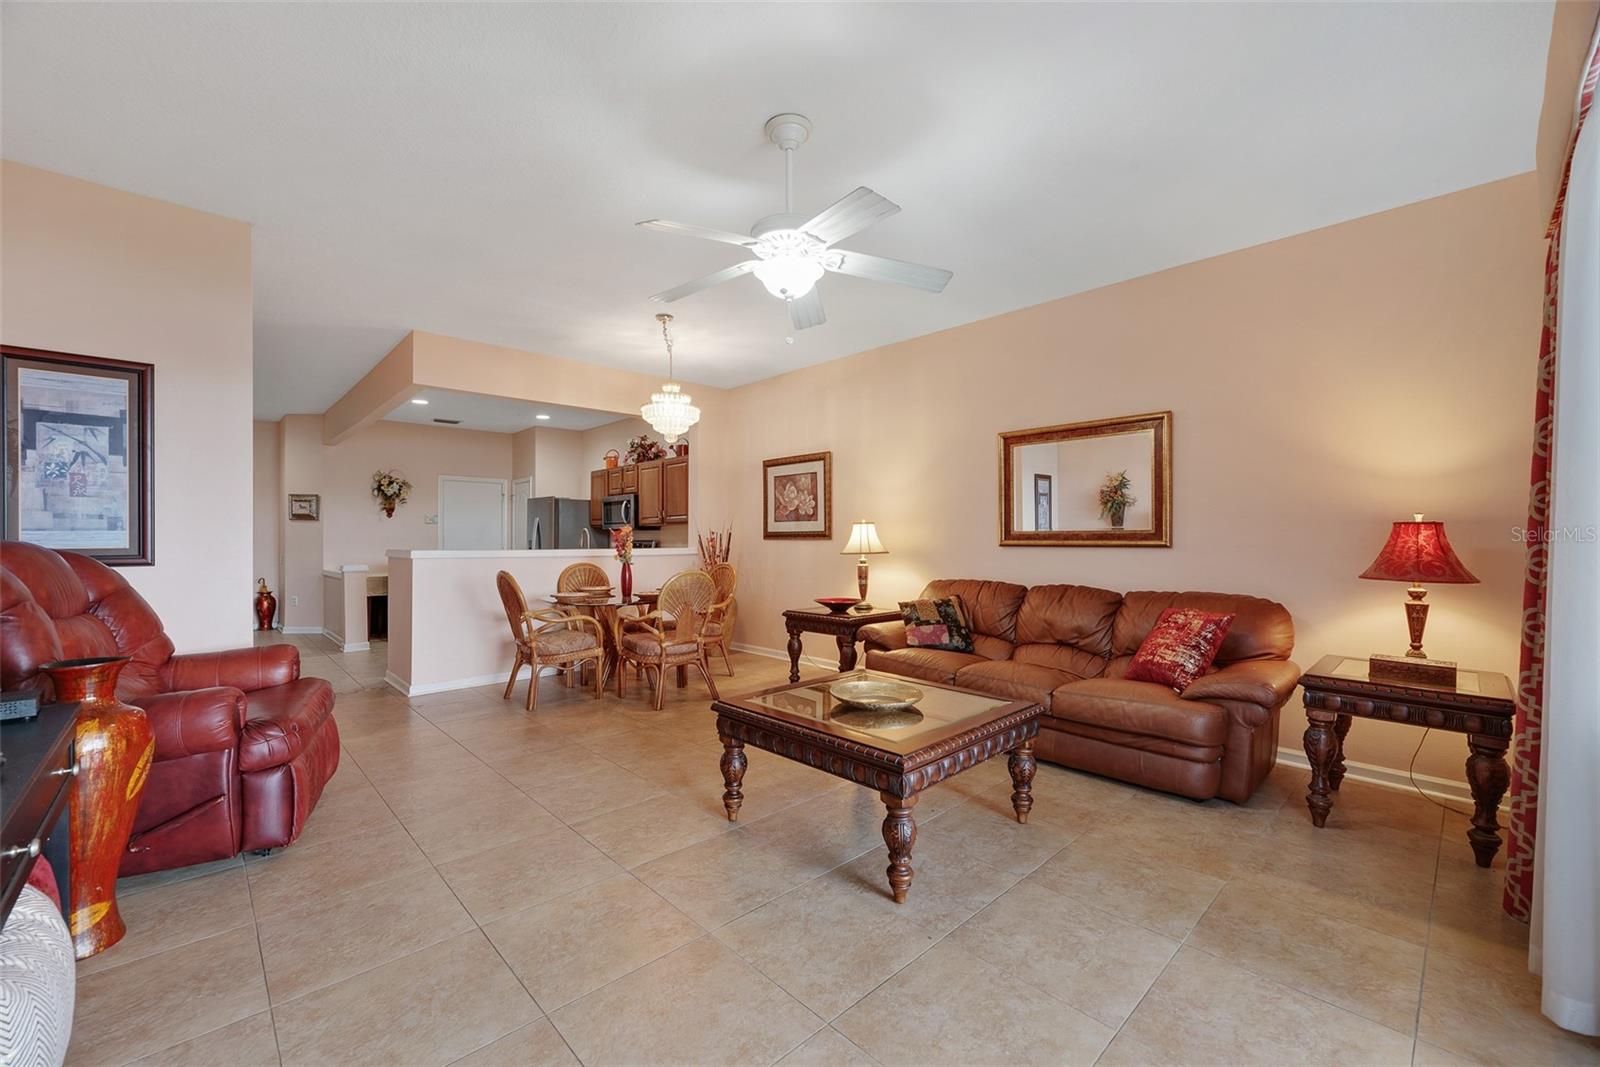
column 418, row 400
column 542, row 417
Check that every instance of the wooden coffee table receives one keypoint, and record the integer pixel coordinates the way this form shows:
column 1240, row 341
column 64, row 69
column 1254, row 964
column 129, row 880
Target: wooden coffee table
column 899, row 754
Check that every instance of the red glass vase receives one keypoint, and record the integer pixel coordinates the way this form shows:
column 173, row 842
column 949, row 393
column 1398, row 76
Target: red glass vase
column 627, row 582
column 114, row 747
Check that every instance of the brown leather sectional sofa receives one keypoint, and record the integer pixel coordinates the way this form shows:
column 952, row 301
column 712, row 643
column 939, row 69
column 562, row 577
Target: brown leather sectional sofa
column 1068, row 646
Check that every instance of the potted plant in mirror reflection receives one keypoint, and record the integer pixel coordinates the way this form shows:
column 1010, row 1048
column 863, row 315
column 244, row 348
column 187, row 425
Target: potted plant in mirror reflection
column 644, row 448
column 1115, row 499
column 390, row 489
column 622, row 545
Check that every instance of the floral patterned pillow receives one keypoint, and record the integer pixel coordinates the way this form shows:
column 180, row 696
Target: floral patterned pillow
column 1179, row 648
column 940, row 623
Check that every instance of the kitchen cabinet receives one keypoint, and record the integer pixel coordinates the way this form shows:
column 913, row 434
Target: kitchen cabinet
column 675, row 490
column 597, row 493
column 613, row 481
column 630, row 478
column 649, row 481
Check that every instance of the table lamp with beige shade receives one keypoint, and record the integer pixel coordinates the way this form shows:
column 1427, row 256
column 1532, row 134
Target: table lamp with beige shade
column 863, row 541
column 1417, row 552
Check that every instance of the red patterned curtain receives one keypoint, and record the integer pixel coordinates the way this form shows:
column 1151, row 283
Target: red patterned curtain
column 1518, row 900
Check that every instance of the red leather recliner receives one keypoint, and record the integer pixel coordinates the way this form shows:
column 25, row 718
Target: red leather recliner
column 244, row 744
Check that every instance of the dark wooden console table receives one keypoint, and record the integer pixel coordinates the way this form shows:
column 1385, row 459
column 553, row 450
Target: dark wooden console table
column 845, row 629
column 36, row 777
column 1479, row 705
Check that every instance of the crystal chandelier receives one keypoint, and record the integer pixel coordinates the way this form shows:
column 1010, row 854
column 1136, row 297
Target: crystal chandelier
column 670, row 412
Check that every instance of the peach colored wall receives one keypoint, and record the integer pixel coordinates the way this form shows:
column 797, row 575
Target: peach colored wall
column 558, row 464
column 1322, row 386
column 524, row 454
column 300, row 543
column 375, row 395
column 1571, row 31
column 102, row 272
column 264, row 505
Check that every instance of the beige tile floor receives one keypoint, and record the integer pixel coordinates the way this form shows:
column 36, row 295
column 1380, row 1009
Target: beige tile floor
column 483, row 887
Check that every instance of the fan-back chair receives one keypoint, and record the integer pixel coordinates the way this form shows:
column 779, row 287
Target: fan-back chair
column 548, row 639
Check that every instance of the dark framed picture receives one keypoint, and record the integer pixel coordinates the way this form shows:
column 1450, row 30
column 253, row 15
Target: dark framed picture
column 305, row 507
column 79, row 457
column 797, row 496
column 1043, row 502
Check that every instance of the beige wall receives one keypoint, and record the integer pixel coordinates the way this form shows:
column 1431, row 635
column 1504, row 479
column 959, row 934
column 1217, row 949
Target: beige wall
column 352, row 528
column 1571, row 32
column 265, row 502
column 101, row 272
column 1322, row 386
column 559, row 468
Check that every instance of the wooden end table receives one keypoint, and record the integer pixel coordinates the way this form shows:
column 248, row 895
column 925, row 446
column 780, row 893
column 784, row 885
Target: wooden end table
column 845, row 628
column 1479, row 705
column 899, row 754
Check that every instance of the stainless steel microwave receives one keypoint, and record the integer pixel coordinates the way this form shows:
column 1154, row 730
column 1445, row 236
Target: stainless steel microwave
column 618, row 511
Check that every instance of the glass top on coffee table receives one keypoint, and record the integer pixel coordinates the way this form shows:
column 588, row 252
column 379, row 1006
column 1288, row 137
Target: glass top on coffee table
column 940, row 711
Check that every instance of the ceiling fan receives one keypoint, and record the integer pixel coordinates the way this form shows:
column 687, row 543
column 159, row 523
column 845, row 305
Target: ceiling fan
column 793, row 251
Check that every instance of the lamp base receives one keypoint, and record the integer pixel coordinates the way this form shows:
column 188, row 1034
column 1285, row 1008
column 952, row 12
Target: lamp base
column 1409, row 669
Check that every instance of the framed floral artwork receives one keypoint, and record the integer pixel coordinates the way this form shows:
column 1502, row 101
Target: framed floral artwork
column 79, row 454
column 797, row 496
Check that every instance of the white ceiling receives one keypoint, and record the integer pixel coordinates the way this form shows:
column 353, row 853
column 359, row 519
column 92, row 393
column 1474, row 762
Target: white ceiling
column 496, row 414
column 476, row 170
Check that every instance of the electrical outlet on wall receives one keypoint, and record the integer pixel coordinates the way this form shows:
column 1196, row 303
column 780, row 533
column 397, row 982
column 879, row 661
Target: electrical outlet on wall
column 294, row 601
column 430, row 520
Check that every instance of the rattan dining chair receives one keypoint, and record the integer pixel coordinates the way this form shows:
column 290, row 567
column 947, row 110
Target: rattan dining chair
column 718, row 629
column 670, row 635
column 548, row 639
column 582, row 576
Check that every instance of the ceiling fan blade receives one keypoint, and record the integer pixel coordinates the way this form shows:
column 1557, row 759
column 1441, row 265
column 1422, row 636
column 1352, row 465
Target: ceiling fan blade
column 879, row 269
column 806, row 311
column 684, row 229
column 849, row 215
column 727, row 274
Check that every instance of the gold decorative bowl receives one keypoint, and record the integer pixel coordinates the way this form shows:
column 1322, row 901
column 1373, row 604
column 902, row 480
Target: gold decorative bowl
column 878, row 694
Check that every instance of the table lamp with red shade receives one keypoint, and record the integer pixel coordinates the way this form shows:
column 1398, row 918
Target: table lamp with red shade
column 1417, row 552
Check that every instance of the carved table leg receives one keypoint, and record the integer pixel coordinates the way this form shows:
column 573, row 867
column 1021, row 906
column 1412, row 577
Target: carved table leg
column 1341, row 727
column 733, row 765
column 899, row 833
column 1022, row 766
column 847, row 652
column 794, row 655
column 1322, row 747
column 1488, row 776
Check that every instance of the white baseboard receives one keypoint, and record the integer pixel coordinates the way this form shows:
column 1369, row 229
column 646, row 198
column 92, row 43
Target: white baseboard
column 301, row 629
column 1440, row 789
column 405, row 688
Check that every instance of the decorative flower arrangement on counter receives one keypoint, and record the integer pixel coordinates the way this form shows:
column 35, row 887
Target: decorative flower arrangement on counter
column 390, row 489
column 644, row 448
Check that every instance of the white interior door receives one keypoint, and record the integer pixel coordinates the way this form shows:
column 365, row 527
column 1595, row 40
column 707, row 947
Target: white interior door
column 472, row 512
column 521, row 493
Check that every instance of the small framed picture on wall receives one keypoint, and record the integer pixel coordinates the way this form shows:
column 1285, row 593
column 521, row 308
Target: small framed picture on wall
column 797, row 496
column 78, row 454
column 305, row 507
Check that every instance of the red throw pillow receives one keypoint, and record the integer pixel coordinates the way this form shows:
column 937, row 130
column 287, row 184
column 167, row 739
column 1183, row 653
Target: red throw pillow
column 1179, row 648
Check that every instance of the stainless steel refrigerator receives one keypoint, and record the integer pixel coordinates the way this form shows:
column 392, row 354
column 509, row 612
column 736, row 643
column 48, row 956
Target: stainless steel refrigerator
column 559, row 522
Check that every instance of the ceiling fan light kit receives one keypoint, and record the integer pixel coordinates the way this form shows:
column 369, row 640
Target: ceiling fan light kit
column 793, row 252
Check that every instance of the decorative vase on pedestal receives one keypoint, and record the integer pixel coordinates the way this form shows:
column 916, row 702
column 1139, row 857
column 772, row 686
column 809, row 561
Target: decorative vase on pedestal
column 114, row 746
column 627, row 582
column 266, row 606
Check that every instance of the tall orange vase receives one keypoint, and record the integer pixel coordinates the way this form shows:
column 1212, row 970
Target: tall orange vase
column 114, row 748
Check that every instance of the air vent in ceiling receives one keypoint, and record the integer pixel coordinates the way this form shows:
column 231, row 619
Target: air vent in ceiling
column 448, row 422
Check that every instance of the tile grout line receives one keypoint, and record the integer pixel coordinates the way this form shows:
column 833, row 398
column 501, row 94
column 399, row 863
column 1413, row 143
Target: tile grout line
column 1427, row 940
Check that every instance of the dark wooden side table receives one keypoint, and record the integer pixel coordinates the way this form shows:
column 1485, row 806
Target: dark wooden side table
column 1479, row 705
column 36, row 777
column 845, row 629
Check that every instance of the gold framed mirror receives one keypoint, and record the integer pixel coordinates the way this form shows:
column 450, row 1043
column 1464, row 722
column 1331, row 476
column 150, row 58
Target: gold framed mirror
column 1105, row 482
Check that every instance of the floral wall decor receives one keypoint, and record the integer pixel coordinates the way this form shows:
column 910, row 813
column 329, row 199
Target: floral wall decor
column 644, row 448
column 797, row 496
column 390, row 489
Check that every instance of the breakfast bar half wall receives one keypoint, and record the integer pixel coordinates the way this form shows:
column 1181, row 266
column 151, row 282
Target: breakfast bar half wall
column 447, row 629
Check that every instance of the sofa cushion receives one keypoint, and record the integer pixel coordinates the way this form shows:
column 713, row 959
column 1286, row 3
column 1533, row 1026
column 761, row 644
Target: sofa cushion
column 280, row 720
column 1079, row 616
column 1180, row 648
column 1262, row 629
column 1014, row 681
column 1140, row 708
column 1073, row 661
column 992, row 606
column 929, row 664
column 940, row 623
